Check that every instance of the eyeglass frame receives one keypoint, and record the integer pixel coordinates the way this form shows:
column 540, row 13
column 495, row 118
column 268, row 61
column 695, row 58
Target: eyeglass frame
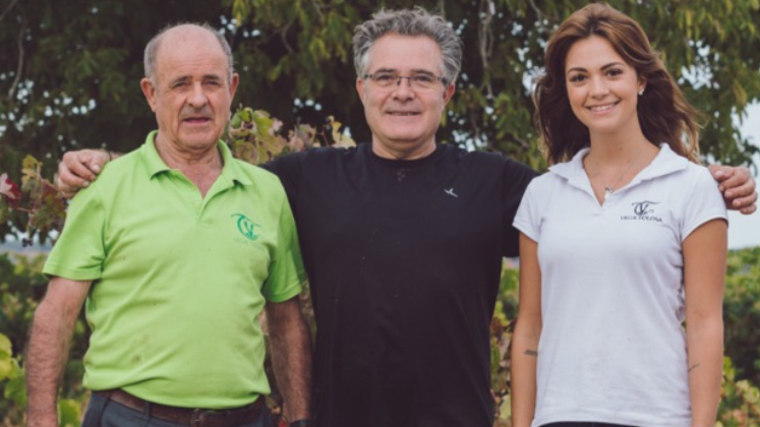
column 370, row 76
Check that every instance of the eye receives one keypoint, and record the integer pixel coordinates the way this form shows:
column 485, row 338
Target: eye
column 423, row 79
column 576, row 78
column 384, row 77
column 614, row 72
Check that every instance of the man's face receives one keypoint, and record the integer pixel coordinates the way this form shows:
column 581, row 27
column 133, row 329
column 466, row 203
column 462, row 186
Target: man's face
column 191, row 93
column 404, row 117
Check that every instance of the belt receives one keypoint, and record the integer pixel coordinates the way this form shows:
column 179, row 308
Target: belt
column 188, row 416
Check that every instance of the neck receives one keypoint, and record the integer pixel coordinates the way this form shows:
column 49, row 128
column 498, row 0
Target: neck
column 619, row 149
column 417, row 151
column 201, row 167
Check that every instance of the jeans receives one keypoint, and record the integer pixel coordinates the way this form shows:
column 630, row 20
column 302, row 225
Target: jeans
column 102, row 412
column 583, row 424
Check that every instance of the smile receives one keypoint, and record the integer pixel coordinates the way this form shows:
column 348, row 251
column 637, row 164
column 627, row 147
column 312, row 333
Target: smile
column 602, row 108
column 402, row 113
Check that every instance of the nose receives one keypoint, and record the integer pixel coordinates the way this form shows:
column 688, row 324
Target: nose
column 598, row 87
column 197, row 97
column 403, row 89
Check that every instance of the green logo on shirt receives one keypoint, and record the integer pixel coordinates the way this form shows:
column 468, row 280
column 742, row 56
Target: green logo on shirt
column 247, row 227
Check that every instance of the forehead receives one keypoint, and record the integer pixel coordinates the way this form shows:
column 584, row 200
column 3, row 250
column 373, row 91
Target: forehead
column 591, row 53
column 190, row 52
column 401, row 53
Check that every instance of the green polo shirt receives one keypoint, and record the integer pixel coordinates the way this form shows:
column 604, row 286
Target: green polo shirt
column 179, row 280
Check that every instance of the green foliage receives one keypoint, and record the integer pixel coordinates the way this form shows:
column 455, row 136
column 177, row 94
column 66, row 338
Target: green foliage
column 22, row 286
column 69, row 75
column 741, row 309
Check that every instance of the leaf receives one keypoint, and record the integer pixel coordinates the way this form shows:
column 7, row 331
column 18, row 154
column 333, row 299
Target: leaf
column 69, row 412
column 5, row 345
column 15, row 390
column 9, row 188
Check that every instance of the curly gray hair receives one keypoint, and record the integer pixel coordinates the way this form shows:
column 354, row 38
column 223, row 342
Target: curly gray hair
column 409, row 22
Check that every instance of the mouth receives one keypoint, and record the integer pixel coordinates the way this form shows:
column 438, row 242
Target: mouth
column 196, row 120
column 402, row 113
column 602, row 107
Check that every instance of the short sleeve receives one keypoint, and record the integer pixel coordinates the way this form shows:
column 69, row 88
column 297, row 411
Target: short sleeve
column 79, row 252
column 528, row 219
column 286, row 272
column 288, row 169
column 517, row 177
column 704, row 204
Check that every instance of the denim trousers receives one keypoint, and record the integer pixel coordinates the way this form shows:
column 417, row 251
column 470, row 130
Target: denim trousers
column 583, row 424
column 102, row 412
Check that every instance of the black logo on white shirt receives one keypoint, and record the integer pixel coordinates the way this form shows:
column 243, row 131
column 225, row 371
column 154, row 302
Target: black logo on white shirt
column 642, row 211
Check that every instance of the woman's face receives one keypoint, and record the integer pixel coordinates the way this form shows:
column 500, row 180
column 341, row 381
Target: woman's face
column 601, row 87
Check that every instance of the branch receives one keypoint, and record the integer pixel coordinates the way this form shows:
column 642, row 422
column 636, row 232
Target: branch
column 7, row 9
column 538, row 11
column 485, row 37
column 317, row 8
column 20, row 67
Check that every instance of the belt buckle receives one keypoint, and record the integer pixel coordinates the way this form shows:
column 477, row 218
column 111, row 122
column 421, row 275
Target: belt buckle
column 198, row 417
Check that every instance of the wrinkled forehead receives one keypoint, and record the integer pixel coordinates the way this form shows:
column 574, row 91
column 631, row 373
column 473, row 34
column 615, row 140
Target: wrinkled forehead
column 394, row 52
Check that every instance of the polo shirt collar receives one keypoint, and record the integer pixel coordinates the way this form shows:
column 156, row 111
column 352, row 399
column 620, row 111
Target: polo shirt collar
column 665, row 163
column 155, row 164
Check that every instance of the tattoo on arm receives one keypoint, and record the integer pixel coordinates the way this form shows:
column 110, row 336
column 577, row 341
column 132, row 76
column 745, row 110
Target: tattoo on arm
column 533, row 353
column 693, row 367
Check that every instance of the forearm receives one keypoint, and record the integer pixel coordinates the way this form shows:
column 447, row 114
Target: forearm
column 290, row 344
column 705, row 347
column 524, row 361
column 46, row 357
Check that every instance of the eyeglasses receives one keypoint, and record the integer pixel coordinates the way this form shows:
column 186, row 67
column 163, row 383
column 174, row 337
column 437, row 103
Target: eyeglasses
column 386, row 79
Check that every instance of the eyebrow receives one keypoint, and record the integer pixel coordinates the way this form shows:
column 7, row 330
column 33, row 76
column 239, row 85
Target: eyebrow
column 413, row 71
column 205, row 77
column 604, row 67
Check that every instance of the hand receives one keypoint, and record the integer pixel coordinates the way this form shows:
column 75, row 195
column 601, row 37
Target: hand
column 737, row 186
column 78, row 169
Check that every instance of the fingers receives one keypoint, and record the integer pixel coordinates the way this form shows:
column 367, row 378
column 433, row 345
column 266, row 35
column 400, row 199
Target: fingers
column 78, row 169
column 746, row 205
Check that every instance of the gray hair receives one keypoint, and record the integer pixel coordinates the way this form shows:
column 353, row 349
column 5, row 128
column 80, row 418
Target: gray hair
column 409, row 22
column 151, row 49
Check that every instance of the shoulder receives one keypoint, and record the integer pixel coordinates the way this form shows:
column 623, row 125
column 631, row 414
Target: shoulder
column 509, row 166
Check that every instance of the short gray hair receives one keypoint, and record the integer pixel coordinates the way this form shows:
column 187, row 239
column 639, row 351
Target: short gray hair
column 151, row 49
column 409, row 22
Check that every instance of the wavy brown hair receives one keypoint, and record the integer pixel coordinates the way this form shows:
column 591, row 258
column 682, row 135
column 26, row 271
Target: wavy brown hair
column 664, row 114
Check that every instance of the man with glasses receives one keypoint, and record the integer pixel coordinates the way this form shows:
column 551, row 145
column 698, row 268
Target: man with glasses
column 402, row 239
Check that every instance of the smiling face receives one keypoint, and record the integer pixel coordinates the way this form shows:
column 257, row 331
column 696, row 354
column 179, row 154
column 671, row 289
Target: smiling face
column 191, row 92
column 602, row 88
column 404, row 118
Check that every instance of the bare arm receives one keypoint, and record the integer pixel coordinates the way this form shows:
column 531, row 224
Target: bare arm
column 291, row 356
column 704, row 275
column 526, row 335
column 737, row 186
column 51, row 333
column 79, row 168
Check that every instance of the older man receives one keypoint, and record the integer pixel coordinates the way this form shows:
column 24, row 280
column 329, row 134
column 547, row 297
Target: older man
column 177, row 248
column 402, row 240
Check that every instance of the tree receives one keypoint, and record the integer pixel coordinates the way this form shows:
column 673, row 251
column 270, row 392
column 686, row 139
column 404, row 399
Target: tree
column 70, row 70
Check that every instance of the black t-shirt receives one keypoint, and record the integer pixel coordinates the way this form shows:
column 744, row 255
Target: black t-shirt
column 404, row 259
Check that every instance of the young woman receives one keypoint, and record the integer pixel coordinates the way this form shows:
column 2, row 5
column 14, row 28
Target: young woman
column 623, row 240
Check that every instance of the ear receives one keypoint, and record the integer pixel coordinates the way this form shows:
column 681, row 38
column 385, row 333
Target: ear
column 448, row 93
column 234, row 84
column 641, row 86
column 150, row 92
column 360, row 88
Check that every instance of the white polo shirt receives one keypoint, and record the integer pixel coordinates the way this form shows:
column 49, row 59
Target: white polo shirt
column 612, row 346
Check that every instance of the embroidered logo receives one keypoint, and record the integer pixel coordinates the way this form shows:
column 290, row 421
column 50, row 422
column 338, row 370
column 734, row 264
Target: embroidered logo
column 450, row 192
column 246, row 227
column 642, row 211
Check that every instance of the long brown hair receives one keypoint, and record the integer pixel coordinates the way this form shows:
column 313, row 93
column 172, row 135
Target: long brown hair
column 664, row 114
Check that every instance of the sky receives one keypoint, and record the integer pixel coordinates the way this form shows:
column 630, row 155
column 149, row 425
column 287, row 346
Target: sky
column 744, row 231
